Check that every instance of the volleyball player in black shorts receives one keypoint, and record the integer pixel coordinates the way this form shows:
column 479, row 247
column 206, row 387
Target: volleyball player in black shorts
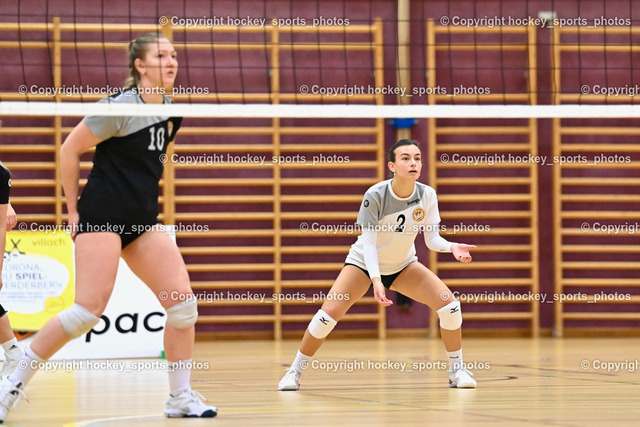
column 391, row 215
column 114, row 217
column 12, row 352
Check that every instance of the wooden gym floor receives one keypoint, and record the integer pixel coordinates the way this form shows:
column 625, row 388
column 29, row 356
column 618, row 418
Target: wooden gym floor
column 524, row 382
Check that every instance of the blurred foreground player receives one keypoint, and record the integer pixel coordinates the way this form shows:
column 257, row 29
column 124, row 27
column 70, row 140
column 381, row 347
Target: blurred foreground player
column 117, row 216
column 12, row 352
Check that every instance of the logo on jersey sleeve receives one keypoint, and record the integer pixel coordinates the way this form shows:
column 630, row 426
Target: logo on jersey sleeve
column 418, row 214
column 366, row 203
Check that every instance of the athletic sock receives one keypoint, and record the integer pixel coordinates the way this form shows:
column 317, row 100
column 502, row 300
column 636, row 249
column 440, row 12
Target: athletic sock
column 27, row 367
column 12, row 349
column 455, row 360
column 179, row 376
column 13, row 342
column 301, row 362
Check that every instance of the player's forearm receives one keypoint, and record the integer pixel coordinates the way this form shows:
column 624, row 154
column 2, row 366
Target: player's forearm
column 3, row 234
column 3, row 243
column 12, row 218
column 70, row 174
column 371, row 253
column 436, row 242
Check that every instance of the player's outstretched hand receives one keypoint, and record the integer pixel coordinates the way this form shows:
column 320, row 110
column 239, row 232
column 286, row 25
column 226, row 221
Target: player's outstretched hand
column 379, row 293
column 461, row 251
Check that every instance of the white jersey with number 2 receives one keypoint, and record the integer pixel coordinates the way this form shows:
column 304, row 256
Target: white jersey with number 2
column 393, row 223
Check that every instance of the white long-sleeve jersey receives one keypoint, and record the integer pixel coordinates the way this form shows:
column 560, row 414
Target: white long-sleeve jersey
column 390, row 225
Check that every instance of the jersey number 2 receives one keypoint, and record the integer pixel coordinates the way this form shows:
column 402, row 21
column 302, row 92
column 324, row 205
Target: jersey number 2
column 157, row 139
column 400, row 228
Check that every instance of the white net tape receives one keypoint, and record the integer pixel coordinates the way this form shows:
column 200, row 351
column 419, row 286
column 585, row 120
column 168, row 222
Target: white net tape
column 14, row 108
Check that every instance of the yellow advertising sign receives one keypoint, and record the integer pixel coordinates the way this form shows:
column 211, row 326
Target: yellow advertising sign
column 38, row 277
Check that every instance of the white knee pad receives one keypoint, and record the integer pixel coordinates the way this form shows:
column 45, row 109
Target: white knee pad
column 321, row 324
column 450, row 316
column 77, row 321
column 184, row 314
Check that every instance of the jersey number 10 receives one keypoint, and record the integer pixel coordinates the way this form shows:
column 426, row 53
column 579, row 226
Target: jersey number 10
column 157, row 139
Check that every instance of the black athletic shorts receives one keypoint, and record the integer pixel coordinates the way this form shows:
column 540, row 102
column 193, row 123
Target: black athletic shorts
column 127, row 232
column 387, row 280
column 5, row 185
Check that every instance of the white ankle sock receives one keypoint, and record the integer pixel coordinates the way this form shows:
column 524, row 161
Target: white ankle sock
column 301, row 362
column 12, row 349
column 179, row 376
column 8, row 344
column 455, row 360
column 26, row 369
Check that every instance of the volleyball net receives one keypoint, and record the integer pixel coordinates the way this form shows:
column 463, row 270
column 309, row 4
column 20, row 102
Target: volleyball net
column 412, row 53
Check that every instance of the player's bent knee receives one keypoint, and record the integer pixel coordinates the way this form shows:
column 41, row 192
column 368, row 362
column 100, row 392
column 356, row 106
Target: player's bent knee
column 184, row 314
column 321, row 324
column 450, row 316
column 337, row 307
column 77, row 321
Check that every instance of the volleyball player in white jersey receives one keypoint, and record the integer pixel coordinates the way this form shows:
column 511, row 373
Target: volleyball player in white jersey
column 12, row 351
column 391, row 214
column 122, row 191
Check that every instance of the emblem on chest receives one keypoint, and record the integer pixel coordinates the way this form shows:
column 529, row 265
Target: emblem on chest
column 418, row 214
